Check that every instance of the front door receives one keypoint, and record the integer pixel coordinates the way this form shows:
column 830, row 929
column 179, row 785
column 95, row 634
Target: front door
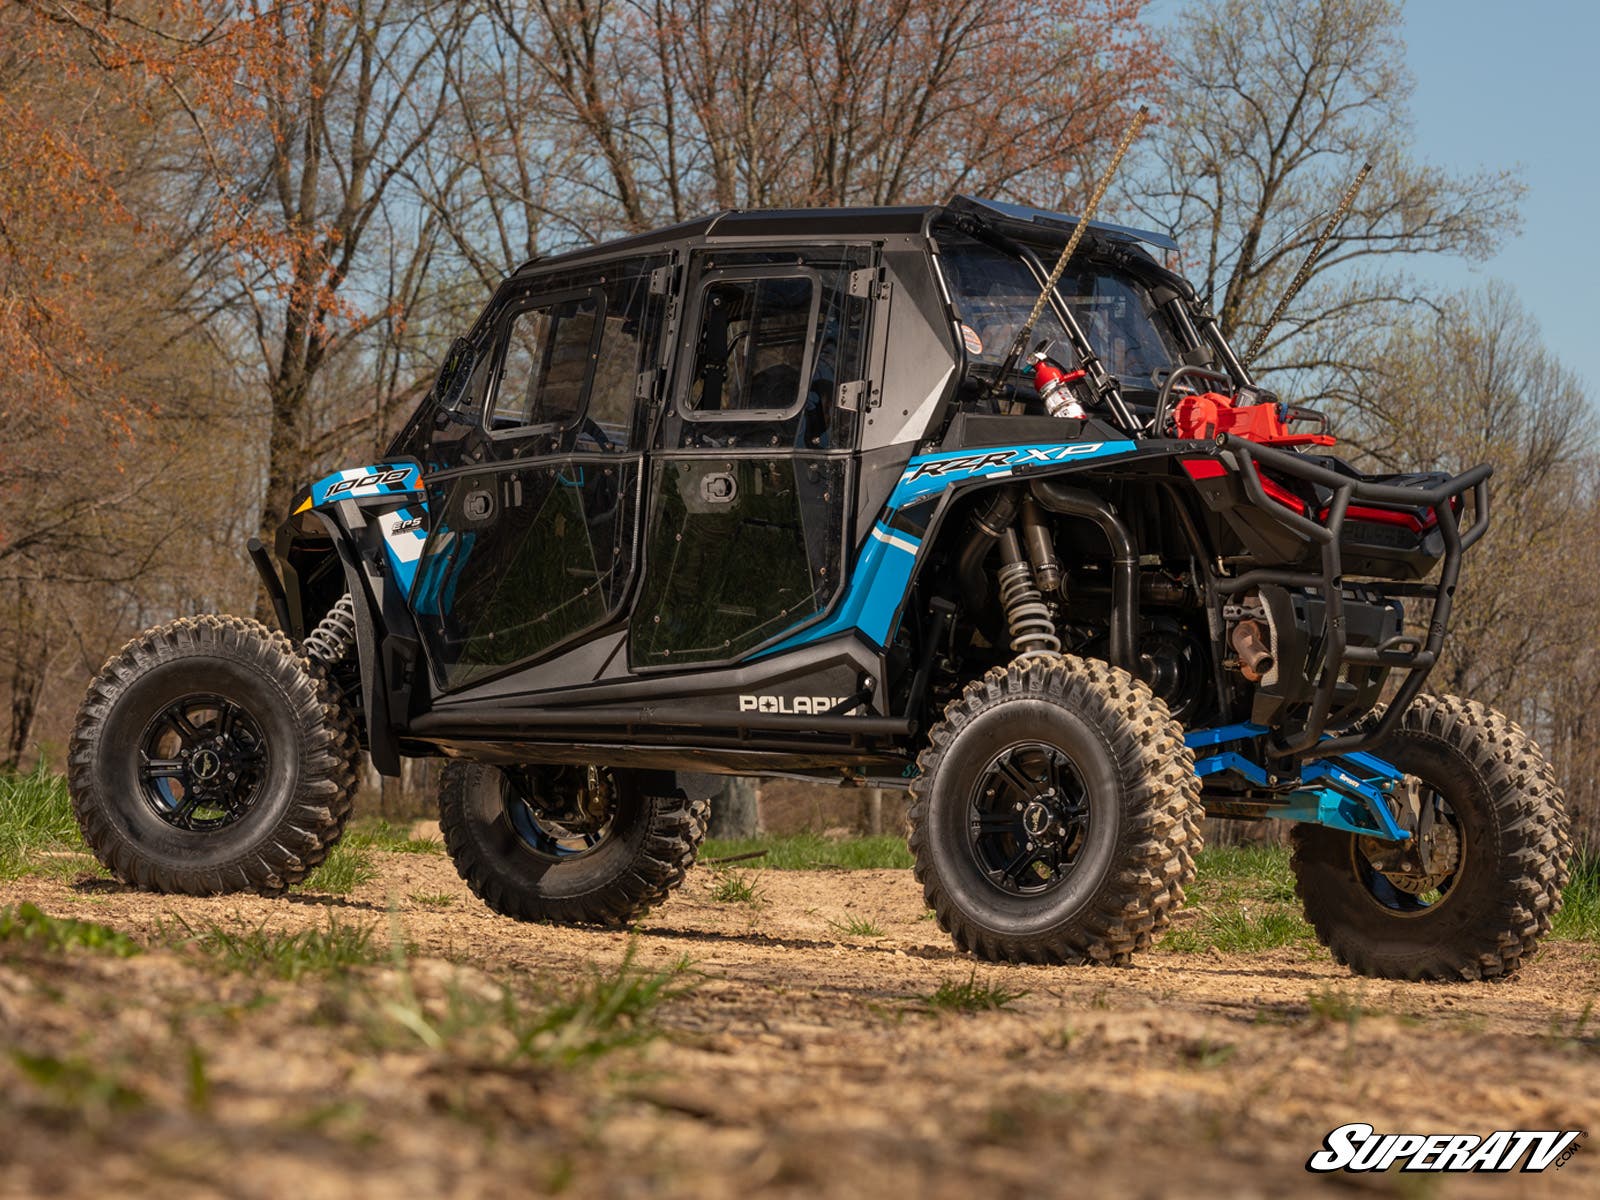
column 532, row 546
column 751, row 480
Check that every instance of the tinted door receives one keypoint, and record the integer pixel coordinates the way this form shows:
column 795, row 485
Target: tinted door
column 750, row 485
column 533, row 547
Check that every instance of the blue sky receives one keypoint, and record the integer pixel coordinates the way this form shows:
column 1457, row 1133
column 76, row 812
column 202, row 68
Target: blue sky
column 1514, row 85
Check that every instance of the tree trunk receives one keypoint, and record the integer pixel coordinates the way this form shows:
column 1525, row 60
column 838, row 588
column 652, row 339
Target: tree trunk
column 30, row 663
column 872, row 811
column 736, row 810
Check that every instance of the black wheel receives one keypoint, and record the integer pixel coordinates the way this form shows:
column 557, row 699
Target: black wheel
column 208, row 758
column 572, row 845
column 1481, row 887
column 1056, row 814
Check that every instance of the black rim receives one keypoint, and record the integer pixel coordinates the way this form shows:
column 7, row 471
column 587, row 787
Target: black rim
column 203, row 763
column 549, row 816
column 1395, row 899
column 1028, row 819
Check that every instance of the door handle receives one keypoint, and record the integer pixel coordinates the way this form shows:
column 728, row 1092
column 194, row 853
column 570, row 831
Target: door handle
column 718, row 488
column 478, row 505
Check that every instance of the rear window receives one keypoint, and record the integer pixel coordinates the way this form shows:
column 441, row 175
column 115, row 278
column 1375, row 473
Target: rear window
column 755, row 345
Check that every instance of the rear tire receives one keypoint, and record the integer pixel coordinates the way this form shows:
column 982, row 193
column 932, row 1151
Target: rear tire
column 166, row 726
column 649, row 843
column 1081, row 765
column 1511, row 827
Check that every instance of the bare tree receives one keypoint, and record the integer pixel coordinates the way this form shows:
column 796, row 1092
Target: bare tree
column 301, row 166
column 1274, row 107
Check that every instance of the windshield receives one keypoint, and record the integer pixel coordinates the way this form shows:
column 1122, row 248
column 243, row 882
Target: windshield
column 993, row 292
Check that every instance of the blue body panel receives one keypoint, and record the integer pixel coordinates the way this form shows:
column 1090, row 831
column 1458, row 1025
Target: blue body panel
column 404, row 528
column 929, row 474
column 882, row 571
column 877, row 586
column 382, row 479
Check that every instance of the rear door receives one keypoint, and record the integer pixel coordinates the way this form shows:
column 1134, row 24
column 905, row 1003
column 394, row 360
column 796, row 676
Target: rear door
column 532, row 547
column 750, row 482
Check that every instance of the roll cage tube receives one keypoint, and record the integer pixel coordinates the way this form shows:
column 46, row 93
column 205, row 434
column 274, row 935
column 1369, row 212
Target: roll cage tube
column 1105, row 387
column 1203, row 320
column 1404, row 651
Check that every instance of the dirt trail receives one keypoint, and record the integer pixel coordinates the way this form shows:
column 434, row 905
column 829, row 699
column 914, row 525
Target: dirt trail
column 804, row 1063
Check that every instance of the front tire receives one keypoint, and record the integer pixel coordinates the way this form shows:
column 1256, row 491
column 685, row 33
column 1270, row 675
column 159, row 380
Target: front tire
column 208, row 757
column 1486, row 907
column 1056, row 814
column 525, row 865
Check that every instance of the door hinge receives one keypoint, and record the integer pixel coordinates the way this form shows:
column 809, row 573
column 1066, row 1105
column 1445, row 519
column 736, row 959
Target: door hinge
column 857, row 393
column 660, row 281
column 644, row 384
column 864, row 283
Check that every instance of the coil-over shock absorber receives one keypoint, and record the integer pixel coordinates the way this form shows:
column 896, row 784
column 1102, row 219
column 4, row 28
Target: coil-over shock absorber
column 1033, row 631
column 335, row 635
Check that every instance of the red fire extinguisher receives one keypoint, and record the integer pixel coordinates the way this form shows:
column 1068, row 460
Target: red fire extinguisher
column 1065, row 392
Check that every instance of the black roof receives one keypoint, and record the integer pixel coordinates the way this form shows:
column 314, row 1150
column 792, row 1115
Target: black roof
column 845, row 223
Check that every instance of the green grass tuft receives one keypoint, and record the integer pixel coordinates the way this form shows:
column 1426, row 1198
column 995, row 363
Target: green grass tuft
column 738, row 887
column 348, row 865
column 353, row 861
column 857, row 927
column 1337, row 1006
column 808, row 851
column 1579, row 918
column 970, row 995
column 1239, row 931
column 81, row 1088
column 1242, row 902
column 35, row 818
column 393, row 839
column 607, row 1011
column 610, row 1010
column 25, row 923
column 287, row 955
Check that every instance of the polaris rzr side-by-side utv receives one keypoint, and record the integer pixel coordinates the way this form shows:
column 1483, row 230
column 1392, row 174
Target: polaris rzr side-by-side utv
column 766, row 493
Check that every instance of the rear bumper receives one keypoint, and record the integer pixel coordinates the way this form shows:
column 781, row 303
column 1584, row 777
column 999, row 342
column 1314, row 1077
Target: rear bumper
column 1330, row 532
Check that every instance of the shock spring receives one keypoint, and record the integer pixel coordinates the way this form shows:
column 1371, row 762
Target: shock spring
column 335, row 635
column 1033, row 632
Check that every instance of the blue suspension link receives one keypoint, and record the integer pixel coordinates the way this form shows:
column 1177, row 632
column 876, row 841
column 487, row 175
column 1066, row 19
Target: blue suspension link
column 1346, row 791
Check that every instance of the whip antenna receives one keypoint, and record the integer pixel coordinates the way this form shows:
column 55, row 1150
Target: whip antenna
column 1299, row 281
column 1020, row 343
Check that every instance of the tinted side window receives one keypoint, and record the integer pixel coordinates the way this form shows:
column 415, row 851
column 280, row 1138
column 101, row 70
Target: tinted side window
column 549, row 358
column 755, row 338
column 628, row 349
column 770, row 338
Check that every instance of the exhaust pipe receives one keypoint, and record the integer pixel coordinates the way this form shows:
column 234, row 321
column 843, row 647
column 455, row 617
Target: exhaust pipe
column 1252, row 642
column 1076, row 502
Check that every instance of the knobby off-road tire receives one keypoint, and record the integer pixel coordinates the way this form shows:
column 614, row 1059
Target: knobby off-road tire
column 1514, row 837
column 304, row 772
column 653, row 838
column 1135, row 853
